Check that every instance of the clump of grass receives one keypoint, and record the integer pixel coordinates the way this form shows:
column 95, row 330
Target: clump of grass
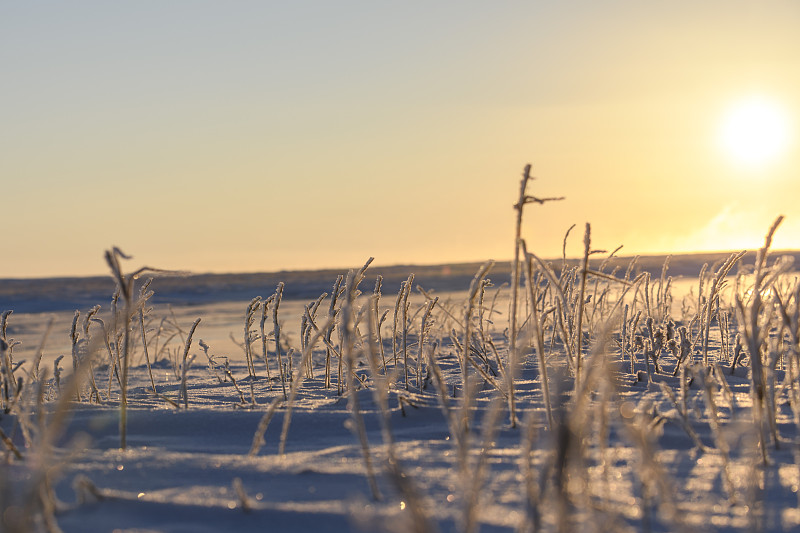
column 297, row 380
column 712, row 301
column 754, row 332
column 347, row 326
column 125, row 284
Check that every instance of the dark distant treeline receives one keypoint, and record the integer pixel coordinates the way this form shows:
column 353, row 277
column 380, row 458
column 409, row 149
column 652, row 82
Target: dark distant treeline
column 63, row 294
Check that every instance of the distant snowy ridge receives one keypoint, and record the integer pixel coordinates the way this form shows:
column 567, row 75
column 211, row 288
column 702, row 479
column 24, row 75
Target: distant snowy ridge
column 64, row 294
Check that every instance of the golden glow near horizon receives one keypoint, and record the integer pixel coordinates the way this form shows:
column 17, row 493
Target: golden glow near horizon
column 298, row 135
column 755, row 131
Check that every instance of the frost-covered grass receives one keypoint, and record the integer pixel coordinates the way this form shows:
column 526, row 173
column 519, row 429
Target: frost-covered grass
column 605, row 402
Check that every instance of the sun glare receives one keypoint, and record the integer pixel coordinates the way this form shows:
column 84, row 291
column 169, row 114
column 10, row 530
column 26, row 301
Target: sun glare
column 755, row 132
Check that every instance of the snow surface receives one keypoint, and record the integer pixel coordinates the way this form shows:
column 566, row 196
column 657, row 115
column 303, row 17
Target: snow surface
column 646, row 463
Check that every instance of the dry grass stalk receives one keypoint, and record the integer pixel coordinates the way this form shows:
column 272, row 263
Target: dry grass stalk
column 404, row 306
column 185, row 362
column 249, row 336
column 523, row 199
column 587, row 241
column 276, row 331
column 297, row 381
column 423, row 333
column 332, row 312
column 537, row 334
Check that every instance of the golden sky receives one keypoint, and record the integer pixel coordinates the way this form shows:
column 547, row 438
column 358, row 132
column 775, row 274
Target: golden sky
column 255, row 136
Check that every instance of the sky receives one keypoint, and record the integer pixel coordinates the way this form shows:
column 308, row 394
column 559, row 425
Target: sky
column 253, row 136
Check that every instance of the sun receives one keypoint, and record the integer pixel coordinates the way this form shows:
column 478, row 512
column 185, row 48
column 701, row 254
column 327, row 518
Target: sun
column 755, row 132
